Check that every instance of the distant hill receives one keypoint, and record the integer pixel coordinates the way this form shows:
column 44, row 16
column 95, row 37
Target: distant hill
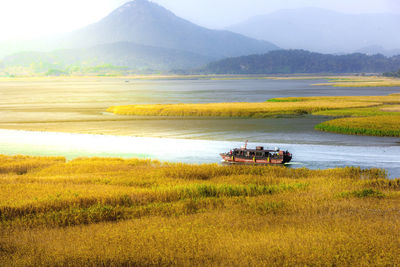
column 378, row 49
column 127, row 55
column 301, row 61
column 323, row 30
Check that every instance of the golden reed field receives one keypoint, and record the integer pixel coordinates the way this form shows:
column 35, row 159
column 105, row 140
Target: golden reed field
column 362, row 81
column 241, row 109
column 111, row 211
column 375, row 115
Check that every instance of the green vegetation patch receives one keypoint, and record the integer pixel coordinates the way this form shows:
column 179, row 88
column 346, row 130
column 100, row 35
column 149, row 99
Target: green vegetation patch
column 363, row 193
column 379, row 120
column 373, row 125
column 285, row 100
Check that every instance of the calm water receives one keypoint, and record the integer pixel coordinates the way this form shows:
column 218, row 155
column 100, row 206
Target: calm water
column 104, row 92
column 192, row 151
column 78, row 106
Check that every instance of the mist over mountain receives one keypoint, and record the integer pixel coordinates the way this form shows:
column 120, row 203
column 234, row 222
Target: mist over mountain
column 146, row 23
column 377, row 49
column 139, row 34
column 121, row 55
column 323, row 30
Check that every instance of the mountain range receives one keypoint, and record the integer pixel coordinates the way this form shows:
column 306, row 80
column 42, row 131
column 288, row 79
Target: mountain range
column 325, row 31
column 144, row 37
column 139, row 34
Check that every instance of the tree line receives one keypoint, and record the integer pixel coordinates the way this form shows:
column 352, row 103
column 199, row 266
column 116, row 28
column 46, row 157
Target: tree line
column 301, row 61
column 395, row 74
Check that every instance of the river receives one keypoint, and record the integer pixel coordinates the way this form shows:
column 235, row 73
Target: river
column 66, row 117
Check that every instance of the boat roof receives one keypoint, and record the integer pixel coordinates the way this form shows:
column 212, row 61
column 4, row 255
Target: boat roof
column 257, row 150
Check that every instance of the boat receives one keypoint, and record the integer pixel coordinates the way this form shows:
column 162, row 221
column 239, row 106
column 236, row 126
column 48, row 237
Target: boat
column 259, row 155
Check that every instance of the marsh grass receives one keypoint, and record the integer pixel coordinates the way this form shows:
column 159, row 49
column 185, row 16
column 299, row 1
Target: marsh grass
column 339, row 106
column 382, row 125
column 24, row 164
column 363, row 193
column 255, row 110
column 100, row 211
column 391, row 109
column 362, row 82
column 383, row 110
column 389, row 99
column 378, row 120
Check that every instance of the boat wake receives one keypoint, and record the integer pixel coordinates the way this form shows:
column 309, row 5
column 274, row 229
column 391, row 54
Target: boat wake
column 294, row 163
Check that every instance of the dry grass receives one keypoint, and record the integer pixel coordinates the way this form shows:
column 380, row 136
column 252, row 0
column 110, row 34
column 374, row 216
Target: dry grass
column 363, row 82
column 257, row 110
column 138, row 212
column 23, row 164
column 391, row 108
column 273, row 107
column 389, row 99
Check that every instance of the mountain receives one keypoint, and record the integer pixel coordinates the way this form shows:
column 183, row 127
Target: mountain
column 377, row 49
column 121, row 55
column 323, row 30
column 301, row 61
column 146, row 23
column 138, row 35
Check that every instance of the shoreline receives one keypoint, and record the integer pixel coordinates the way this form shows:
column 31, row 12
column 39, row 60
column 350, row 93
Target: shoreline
column 188, row 150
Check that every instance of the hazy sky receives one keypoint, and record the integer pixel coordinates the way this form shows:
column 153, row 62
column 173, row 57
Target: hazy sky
column 26, row 19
